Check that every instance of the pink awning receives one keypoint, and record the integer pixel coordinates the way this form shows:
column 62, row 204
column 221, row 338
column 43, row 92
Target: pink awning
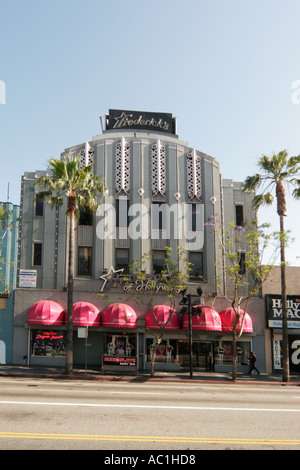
column 162, row 315
column 119, row 316
column 208, row 320
column 46, row 312
column 85, row 314
column 228, row 318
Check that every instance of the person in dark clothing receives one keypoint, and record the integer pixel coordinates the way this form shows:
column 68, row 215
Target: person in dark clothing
column 252, row 362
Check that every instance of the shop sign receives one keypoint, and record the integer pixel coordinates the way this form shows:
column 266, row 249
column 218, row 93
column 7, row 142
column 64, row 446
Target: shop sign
column 123, row 119
column 27, row 278
column 156, row 282
column 274, row 311
column 119, row 361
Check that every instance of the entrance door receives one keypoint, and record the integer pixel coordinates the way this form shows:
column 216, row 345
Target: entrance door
column 201, row 354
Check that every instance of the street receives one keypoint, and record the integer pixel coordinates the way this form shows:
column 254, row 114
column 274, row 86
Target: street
column 46, row 414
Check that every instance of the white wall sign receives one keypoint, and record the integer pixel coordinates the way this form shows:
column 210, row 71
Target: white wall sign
column 27, row 278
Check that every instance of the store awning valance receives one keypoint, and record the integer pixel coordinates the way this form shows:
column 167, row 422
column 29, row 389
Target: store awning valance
column 119, row 316
column 85, row 314
column 46, row 312
column 228, row 319
column 162, row 314
column 208, row 320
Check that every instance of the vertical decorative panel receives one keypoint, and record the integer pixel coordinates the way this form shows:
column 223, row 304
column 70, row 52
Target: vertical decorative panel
column 122, row 182
column 158, row 161
column 194, row 177
column 87, row 156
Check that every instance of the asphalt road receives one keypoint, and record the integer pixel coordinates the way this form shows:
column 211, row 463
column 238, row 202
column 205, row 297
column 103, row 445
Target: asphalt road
column 47, row 414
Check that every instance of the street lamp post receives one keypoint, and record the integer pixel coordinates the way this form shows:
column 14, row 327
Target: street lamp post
column 187, row 299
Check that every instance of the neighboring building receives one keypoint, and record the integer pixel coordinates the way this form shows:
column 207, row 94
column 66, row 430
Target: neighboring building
column 273, row 305
column 147, row 170
column 9, row 233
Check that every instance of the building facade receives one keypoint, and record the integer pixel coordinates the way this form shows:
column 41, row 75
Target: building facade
column 9, row 234
column 159, row 192
column 273, row 306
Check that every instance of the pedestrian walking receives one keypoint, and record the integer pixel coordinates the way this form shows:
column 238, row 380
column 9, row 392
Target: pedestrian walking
column 252, row 362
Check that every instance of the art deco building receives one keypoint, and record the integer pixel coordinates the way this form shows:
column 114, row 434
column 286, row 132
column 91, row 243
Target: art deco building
column 159, row 192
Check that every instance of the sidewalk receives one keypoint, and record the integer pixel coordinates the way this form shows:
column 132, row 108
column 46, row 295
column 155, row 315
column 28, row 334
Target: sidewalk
column 160, row 376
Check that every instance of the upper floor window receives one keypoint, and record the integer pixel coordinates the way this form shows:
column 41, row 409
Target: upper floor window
column 39, row 207
column 37, row 254
column 239, row 215
column 122, row 209
column 196, row 260
column 158, row 259
column 85, row 218
column 242, row 262
column 84, row 261
column 122, row 260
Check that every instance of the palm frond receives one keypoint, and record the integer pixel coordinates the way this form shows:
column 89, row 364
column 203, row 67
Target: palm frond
column 67, row 178
column 294, row 162
column 296, row 193
column 262, row 199
column 252, row 182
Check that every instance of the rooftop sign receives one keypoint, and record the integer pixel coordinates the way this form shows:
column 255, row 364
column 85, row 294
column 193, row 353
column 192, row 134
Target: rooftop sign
column 157, row 122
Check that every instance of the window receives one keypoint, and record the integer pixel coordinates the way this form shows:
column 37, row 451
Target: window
column 122, row 208
column 123, row 345
column 39, row 208
column 158, row 259
column 196, row 260
column 193, row 218
column 48, row 343
column 84, row 261
column 239, row 215
column 85, row 218
column 242, row 258
column 37, row 254
column 122, row 259
column 165, row 352
column 224, row 352
column 157, row 213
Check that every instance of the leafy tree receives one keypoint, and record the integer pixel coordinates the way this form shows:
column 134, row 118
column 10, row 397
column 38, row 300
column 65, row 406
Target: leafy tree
column 276, row 173
column 81, row 188
column 244, row 276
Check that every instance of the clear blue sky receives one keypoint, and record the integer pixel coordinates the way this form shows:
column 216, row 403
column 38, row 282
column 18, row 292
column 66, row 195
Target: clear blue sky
column 224, row 68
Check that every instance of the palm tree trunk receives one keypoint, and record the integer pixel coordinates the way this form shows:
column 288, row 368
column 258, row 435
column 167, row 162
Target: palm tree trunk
column 285, row 337
column 69, row 342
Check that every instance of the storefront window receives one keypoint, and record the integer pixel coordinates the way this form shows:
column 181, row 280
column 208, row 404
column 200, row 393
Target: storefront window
column 223, row 352
column 48, row 343
column 294, row 353
column 120, row 345
column 166, row 351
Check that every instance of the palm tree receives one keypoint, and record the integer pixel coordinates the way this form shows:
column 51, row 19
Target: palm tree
column 81, row 187
column 277, row 172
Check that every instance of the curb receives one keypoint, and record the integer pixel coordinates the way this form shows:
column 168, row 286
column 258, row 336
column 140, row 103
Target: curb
column 141, row 379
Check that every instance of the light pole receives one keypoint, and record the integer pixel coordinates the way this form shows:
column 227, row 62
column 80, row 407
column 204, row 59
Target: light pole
column 187, row 299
